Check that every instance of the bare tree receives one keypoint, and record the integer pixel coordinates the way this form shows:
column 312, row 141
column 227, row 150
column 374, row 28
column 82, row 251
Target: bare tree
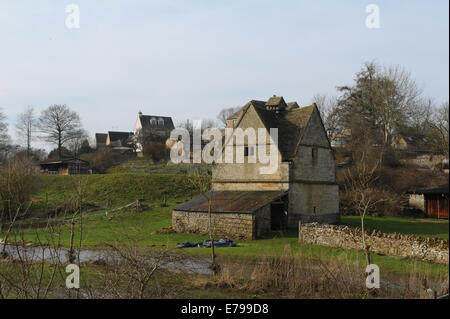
column 360, row 188
column 76, row 143
column 203, row 183
column 60, row 125
column 226, row 113
column 4, row 138
column 26, row 127
column 440, row 123
column 328, row 108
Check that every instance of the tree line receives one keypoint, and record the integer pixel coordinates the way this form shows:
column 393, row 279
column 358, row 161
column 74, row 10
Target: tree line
column 384, row 102
column 57, row 125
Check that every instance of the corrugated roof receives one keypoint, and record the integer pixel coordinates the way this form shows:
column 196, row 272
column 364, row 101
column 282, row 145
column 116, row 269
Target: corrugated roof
column 231, row 201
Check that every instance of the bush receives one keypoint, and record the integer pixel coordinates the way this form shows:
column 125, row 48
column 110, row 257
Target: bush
column 104, row 158
column 17, row 183
column 156, row 151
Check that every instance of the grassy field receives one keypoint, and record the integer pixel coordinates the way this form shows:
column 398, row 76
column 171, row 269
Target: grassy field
column 148, row 228
column 418, row 227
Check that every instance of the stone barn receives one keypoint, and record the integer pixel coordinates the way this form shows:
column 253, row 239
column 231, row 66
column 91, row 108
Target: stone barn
column 245, row 203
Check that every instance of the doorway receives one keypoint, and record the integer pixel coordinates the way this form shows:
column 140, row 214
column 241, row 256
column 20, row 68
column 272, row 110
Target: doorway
column 278, row 216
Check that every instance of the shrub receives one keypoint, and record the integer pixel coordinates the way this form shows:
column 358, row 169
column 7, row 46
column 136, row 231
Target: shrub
column 17, row 183
column 156, row 151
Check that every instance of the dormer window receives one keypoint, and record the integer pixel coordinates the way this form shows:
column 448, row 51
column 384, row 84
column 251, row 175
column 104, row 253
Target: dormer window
column 161, row 122
column 153, row 122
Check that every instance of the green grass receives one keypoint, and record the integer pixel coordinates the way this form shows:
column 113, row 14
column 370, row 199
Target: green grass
column 418, row 227
column 117, row 188
column 143, row 227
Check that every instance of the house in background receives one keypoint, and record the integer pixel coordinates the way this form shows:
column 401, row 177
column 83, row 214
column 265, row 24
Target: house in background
column 69, row 166
column 120, row 141
column 100, row 140
column 341, row 139
column 246, row 204
column 151, row 128
column 410, row 144
column 434, row 202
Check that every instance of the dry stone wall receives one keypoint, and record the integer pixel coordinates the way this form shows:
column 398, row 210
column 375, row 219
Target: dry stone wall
column 233, row 226
column 397, row 245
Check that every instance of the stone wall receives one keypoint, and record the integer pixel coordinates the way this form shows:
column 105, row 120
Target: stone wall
column 233, row 226
column 406, row 246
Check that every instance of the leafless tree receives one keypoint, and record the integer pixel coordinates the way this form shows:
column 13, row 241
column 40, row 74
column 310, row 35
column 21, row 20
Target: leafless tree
column 26, row 127
column 328, row 108
column 360, row 189
column 60, row 125
column 226, row 113
column 4, row 137
column 440, row 123
column 75, row 144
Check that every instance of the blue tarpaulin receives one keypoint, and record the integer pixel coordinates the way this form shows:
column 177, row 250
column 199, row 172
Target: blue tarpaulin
column 224, row 242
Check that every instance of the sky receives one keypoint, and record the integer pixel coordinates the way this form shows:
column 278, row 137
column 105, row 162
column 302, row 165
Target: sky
column 192, row 58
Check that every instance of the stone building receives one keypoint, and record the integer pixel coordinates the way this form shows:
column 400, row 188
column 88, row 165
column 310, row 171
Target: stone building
column 151, row 128
column 303, row 187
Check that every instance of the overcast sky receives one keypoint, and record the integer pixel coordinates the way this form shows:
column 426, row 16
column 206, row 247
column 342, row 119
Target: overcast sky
column 191, row 58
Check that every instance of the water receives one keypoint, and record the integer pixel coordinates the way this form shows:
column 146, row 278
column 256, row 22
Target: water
column 60, row 255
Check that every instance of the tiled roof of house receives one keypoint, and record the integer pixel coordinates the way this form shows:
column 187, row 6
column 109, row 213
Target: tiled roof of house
column 153, row 121
column 231, row 201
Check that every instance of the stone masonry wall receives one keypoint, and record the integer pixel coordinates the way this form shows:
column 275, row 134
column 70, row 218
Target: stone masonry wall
column 233, row 226
column 406, row 246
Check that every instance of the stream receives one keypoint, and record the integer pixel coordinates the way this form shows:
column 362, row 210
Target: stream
column 193, row 265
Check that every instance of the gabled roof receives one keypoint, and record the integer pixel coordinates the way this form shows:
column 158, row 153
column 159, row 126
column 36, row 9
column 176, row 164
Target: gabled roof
column 121, row 137
column 146, row 122
column 231, row 201
column 291, row 124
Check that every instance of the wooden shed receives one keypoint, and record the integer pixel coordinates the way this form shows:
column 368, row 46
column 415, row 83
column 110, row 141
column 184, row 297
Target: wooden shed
column 435, row 201
column 71, row 166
